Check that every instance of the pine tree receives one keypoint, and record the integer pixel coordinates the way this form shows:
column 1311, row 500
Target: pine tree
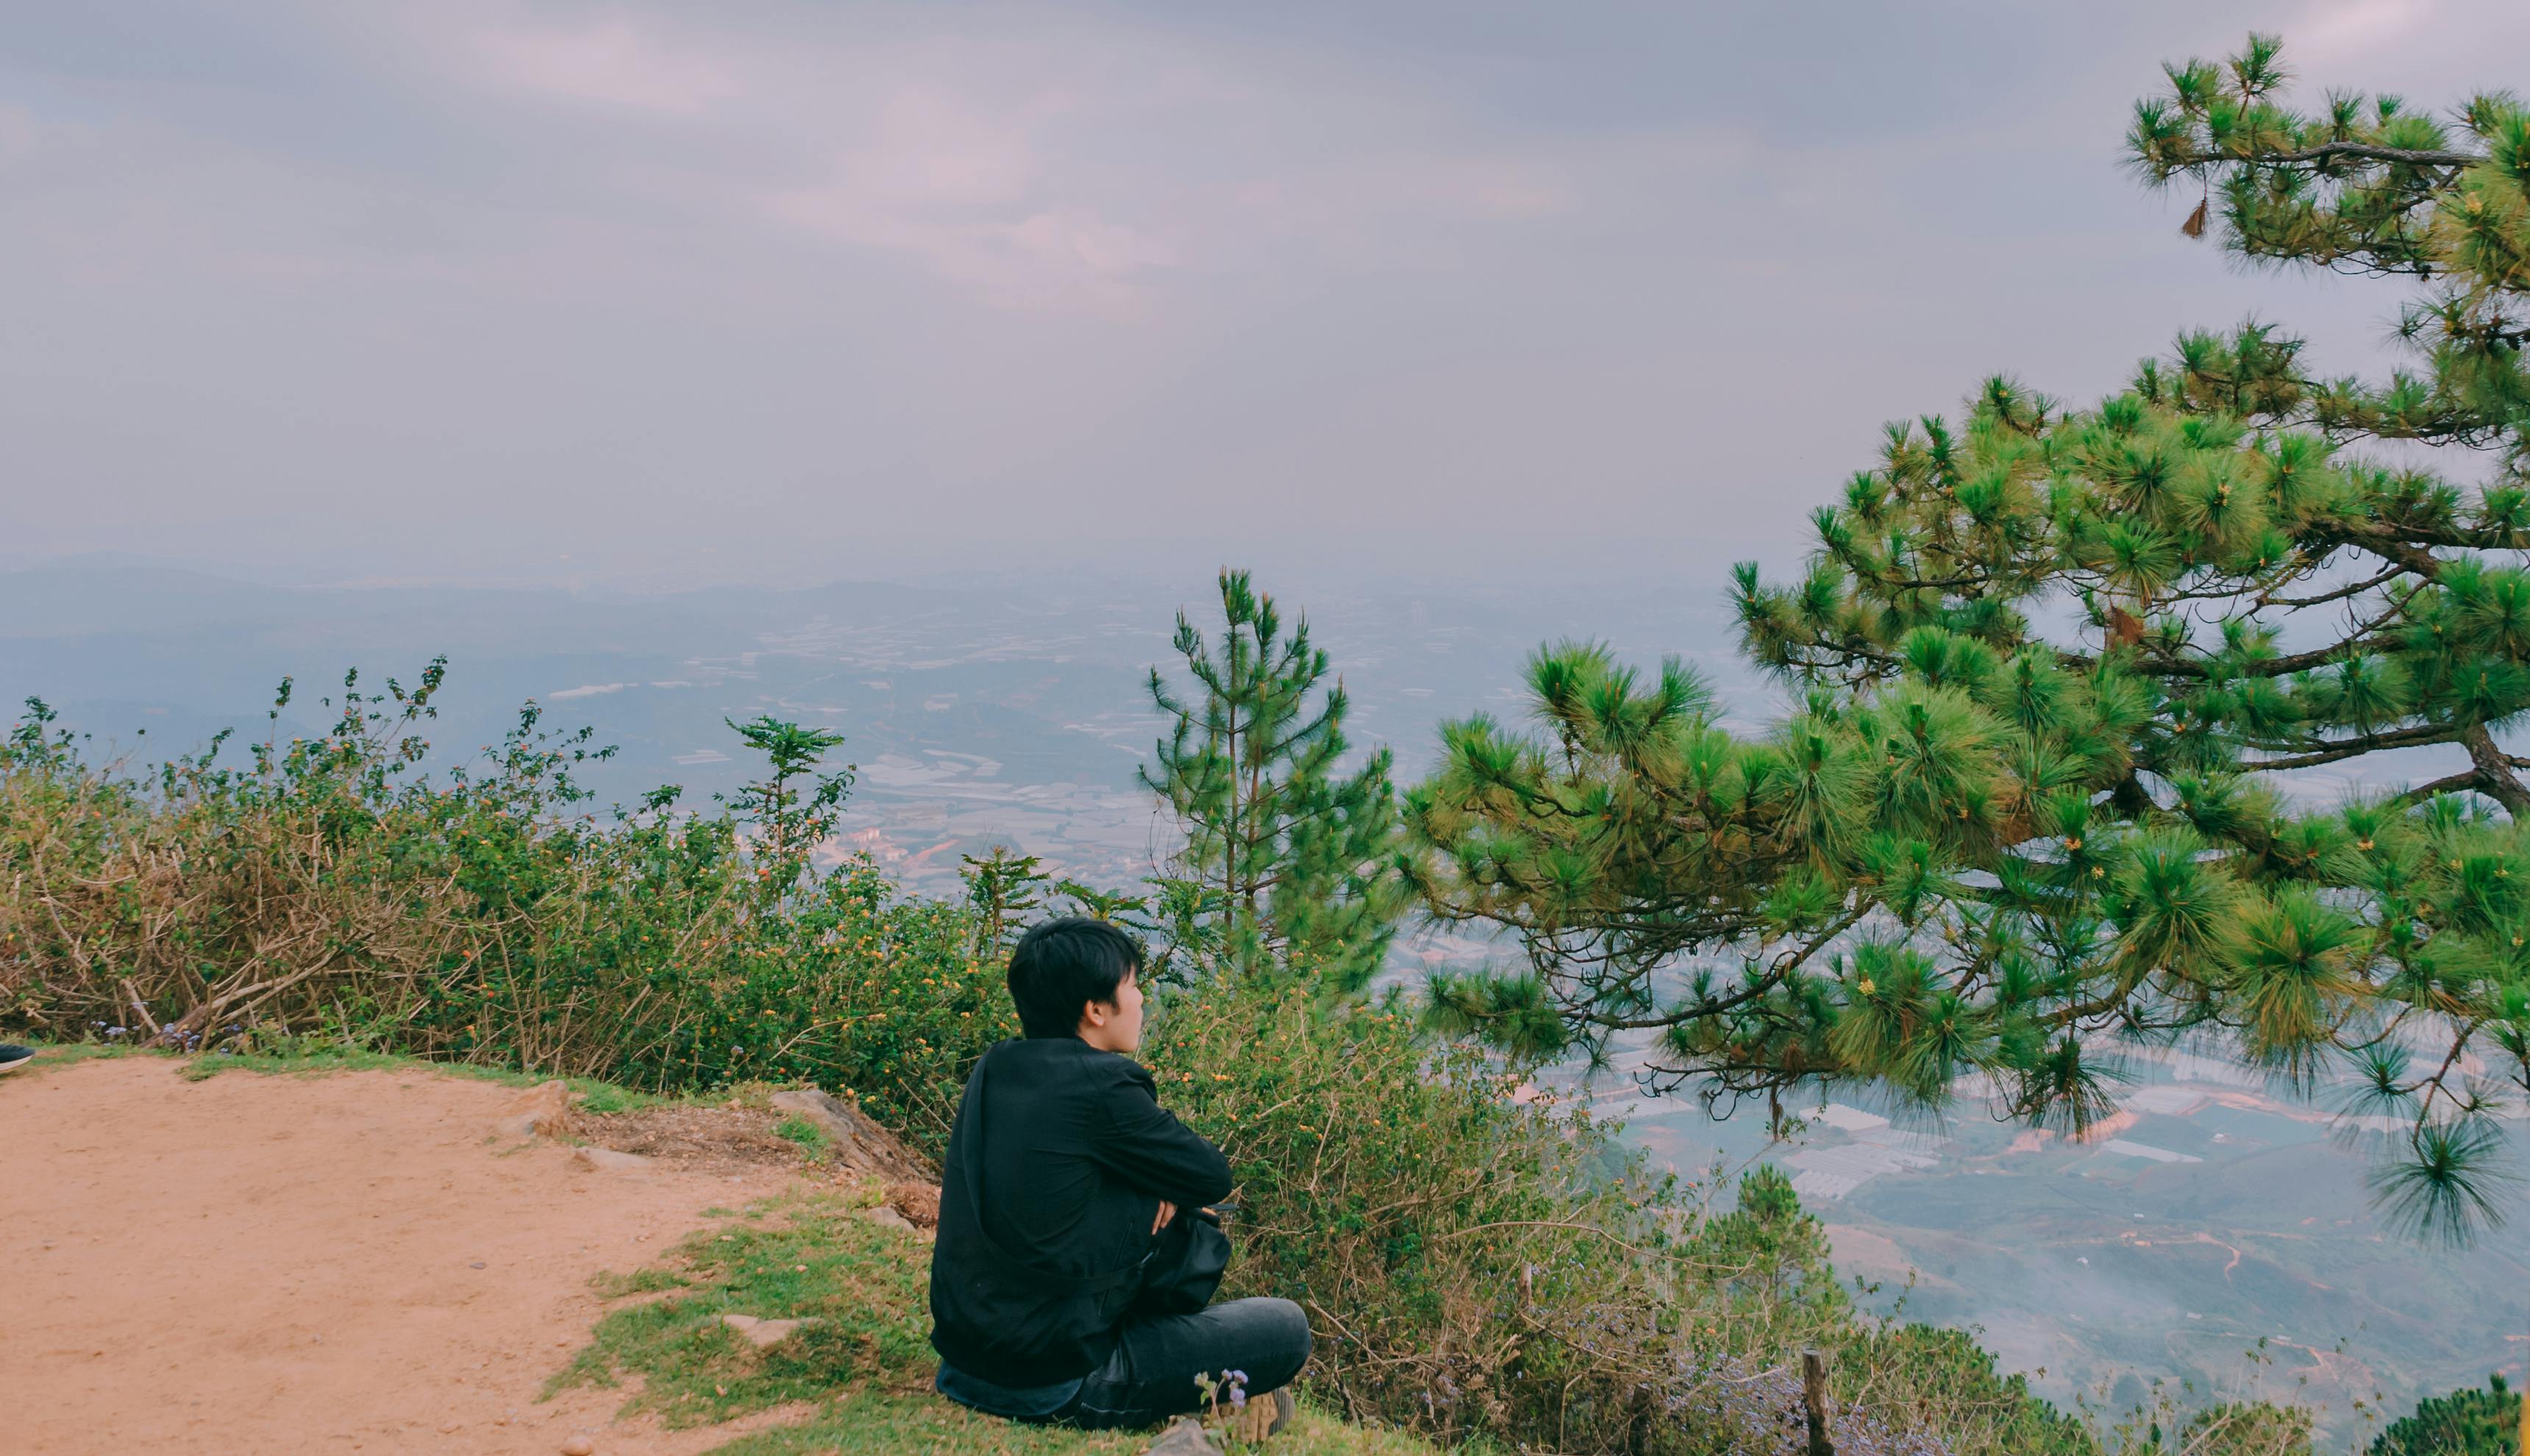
column 1998, row 832
column 2475, row 1421
column 795, row 806
column 1290, row 856
column 1003, row 890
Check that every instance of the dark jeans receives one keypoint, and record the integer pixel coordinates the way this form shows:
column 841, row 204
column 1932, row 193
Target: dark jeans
column 1151, row 1376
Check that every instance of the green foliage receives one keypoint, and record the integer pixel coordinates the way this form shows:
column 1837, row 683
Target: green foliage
column 2363, row 184
column 806, row 1134
column 1287, row 855
column 2048, row 662
column 323, row 889
column 1002, row 889
column 2247, row 1429
column 1467, row 1263
column 1942, row 1385
column 791, row 816
column 1826, row 859
column 2466, row 1422
column 1480, row 1259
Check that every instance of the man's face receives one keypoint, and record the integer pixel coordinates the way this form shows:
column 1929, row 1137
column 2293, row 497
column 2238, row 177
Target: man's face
column 1115, row 1026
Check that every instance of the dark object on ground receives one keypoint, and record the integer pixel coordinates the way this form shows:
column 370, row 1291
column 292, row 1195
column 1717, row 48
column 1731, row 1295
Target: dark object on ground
column 1271, row 1412
column 14, row 1056
column 1183, row 1438
column 920, row 1203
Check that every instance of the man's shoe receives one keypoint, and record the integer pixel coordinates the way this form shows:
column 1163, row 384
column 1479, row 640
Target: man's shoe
column 1263, row 1416
column 14, row 1056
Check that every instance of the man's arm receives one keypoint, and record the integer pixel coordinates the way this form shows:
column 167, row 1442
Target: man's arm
column 1151, row 1151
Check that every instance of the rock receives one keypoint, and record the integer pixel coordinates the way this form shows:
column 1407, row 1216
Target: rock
column 886, row 1218
column 579, row 1445
column 920, row 1203
column 764, row 1334
column 859, row 1145
column 1183, row 1438
column 607, row 1160
column 543, row 1108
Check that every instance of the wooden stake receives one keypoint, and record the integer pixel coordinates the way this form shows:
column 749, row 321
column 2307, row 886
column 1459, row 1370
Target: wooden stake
column 1814, row 1401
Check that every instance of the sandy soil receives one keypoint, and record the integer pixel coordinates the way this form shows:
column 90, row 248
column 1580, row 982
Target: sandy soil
column 284, row 1264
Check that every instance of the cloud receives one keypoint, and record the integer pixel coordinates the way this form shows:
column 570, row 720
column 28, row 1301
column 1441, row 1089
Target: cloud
column 966, row 189
column 1048, row 165
column 2344, row 29
column 21, row 135
column 613, row 64
column 1044, row 257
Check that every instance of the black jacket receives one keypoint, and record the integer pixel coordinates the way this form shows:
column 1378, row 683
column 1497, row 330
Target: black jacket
column 1069, row 1152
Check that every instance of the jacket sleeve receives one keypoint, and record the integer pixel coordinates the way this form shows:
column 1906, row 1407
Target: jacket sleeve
column 1150, row 1151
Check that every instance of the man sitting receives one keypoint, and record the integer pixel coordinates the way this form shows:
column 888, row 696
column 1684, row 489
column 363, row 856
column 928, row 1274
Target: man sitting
column 1062, row 1174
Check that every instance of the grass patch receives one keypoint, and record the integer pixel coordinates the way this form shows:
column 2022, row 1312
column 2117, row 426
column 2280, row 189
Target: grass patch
column 317, row 1060
column 879, row 1425
column 813, row 1260
column 322, row 1058
column 866, row 1360
column 809, row 1136
column 608, row 1284
column 52, row 1056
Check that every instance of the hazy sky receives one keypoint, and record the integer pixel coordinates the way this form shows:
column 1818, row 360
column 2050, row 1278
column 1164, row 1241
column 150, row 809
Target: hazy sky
column 471, row 289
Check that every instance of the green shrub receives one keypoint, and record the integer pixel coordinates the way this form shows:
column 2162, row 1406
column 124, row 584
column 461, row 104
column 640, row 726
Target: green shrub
column 2466, row 1422
column 1464, row 1262
column 1477, row 1257
column 324, row 889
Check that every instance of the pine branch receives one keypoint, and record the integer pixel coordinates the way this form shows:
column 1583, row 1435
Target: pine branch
column 2327, row 151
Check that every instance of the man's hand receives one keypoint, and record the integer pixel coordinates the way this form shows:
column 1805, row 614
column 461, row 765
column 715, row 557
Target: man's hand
column 1167, row 1210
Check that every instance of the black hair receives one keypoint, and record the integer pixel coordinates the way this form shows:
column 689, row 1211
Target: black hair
column 1063, row 965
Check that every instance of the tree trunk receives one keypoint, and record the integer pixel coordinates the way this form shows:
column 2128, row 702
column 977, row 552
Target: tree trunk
column 1814, row 1401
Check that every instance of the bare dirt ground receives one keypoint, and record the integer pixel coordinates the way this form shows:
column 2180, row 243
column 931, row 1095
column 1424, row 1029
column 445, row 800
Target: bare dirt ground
column 333, row 1262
